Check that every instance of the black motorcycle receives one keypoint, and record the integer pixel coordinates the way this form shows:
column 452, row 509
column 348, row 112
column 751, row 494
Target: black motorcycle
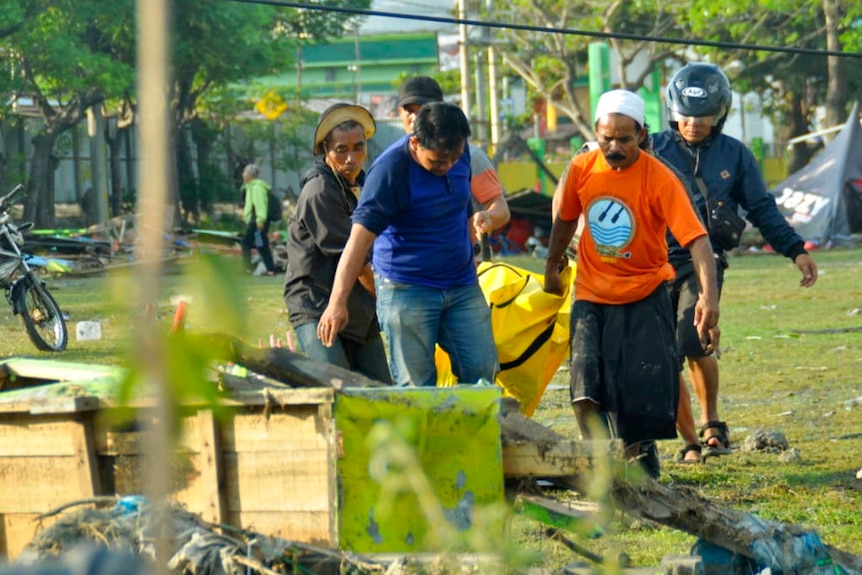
column 26, row 292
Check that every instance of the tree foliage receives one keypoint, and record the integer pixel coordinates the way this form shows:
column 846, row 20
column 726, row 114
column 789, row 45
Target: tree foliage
column 790, row 84
column 64, row 56
column 219, row 44
column 70, row 55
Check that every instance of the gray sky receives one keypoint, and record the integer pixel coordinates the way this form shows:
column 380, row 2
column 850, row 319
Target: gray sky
column 435, row 8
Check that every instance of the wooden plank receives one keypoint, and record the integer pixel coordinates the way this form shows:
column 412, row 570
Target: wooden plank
column 274, row 397
column 553, row 512
column 7, row 406
column 285, row 397
column 560, row 459
column 87, row 470
column 210, row 465
column 131, row 441
column 55, row 370
column 127, row 475
column 17, row 530
column 49, row 405
column 334, row 450
column 24, row 435
column 188, row 487
column 278, row 481
column 40, row 483
column 63, row 405
column 299, row 428
column 307, row 527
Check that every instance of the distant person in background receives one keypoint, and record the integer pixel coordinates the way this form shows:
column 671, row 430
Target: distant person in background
column 491, row 210
column 88, row 206
column 317, row 233
column 256, row 234
column 715, row 168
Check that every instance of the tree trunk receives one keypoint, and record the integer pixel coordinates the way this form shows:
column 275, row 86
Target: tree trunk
column 40, row 188
column 836, row 88
column 203, row 137
column 784, row 547
column 131, row 188
column 115, row 196
column 39, row 206
column 188, row 183
column 797, row 122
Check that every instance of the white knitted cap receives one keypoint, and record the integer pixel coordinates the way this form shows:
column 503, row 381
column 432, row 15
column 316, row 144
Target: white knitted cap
column 621, row 102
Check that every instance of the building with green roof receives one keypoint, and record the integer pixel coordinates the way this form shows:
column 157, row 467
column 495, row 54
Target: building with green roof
column 364, row 69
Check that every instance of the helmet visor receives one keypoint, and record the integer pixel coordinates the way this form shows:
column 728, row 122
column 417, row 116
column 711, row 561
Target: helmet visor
column 711, row 120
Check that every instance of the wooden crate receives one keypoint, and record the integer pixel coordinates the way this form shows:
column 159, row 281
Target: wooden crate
column 268, row 465
column 272, row 463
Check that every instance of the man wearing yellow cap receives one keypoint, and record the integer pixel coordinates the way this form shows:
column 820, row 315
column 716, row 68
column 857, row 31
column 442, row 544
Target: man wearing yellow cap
column 624, row 359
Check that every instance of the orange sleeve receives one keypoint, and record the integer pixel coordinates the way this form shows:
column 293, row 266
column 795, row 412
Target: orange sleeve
column 486, row 186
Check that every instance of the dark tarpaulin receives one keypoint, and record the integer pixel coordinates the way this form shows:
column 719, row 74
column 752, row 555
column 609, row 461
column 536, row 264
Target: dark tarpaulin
column 531, row 205
column 823, row 200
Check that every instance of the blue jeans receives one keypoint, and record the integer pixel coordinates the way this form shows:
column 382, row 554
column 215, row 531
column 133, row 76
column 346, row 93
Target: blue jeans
column 367, row 358
column 415, row 318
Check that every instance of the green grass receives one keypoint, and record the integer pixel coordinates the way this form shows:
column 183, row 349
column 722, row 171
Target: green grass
column 802, row 385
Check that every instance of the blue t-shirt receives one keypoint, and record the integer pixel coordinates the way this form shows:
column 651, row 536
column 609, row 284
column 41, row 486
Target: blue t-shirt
column 420, row 220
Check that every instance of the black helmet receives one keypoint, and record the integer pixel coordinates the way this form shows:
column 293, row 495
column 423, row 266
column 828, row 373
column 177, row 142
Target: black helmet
column 698, row 89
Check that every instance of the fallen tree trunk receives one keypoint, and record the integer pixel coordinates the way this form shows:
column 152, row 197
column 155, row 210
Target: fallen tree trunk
column 284, row 365
column 770, row 543
column 787, row 547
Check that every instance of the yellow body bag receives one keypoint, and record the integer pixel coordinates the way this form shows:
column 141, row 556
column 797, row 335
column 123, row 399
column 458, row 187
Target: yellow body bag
column 531, row 330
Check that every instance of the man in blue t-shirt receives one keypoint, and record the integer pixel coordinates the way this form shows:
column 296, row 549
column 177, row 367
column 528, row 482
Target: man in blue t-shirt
column 414, row 209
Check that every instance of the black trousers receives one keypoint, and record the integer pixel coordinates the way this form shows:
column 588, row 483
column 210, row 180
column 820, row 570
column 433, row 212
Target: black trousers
column 624, row 359
column 249, row 241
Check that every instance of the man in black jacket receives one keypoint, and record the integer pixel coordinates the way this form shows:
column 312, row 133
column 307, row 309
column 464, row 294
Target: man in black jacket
column 716, row 169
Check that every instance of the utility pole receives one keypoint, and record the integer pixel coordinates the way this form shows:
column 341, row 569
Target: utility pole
column 464, row 54
column 357, row 56
column 299, row 69
column 98, row 161
column 300, row 37
column 481, row 94
column 494, row 104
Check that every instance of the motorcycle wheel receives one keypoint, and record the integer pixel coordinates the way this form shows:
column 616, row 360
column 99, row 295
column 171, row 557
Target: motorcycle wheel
column 42, row 318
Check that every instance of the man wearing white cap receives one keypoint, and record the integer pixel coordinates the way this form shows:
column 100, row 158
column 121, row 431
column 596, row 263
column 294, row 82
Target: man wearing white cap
column 624, row 359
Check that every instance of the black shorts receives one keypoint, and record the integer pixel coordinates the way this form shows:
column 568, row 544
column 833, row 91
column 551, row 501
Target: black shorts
column 683, row 292
column 624, row 359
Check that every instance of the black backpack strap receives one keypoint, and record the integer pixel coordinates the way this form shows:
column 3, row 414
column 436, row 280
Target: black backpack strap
column 534, row 346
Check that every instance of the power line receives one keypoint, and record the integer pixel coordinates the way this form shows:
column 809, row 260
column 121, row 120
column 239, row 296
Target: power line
column 564, row 31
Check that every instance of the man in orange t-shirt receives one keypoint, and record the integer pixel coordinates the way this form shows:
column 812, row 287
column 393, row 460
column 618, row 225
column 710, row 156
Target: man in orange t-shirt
column 624, row 361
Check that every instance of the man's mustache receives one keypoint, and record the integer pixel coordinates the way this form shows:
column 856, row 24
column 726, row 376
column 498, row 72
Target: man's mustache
column 616, row 156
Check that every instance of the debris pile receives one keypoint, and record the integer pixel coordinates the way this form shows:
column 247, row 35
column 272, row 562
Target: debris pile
column 112, row 245
column 129, row 524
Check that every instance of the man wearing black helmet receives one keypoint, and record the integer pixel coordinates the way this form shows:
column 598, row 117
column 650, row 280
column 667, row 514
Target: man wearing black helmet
column 716, row 169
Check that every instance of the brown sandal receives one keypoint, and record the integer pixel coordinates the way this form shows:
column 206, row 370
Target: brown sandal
column 691, row 447
column 721, row 436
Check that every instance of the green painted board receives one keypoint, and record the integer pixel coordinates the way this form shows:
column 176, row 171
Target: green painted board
column 449, row 436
